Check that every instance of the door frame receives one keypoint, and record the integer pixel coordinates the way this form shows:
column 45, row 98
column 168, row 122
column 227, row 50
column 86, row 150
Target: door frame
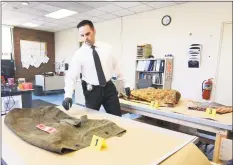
column 218, row 59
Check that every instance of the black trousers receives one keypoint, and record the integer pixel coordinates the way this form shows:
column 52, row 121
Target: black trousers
column 106, row 96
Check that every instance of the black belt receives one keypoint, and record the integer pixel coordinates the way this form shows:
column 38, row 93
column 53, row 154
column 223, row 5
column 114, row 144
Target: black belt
column 95, row 86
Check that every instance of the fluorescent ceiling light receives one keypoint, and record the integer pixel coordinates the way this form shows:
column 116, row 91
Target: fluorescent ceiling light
column 30, row 25
column 60, row 14
column 25, row 3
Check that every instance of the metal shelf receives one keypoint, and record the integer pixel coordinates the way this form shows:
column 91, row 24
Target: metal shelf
column 143, row 59
column 151, row 71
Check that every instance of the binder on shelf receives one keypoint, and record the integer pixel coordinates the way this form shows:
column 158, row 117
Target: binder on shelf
column 147, row 65
column 155, row 64
column 150, row 66
column 158, row 65
column 161, row 67
column 158, row 70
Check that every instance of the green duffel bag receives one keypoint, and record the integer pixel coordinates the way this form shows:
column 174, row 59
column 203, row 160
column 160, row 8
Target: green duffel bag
column 71, row 134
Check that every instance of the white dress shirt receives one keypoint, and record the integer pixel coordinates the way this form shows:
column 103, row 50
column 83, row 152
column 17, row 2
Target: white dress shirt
column 83, row 62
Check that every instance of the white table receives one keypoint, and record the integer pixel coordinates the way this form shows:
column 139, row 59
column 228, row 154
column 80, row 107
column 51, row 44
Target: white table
column 142, row 144
column 221, row 124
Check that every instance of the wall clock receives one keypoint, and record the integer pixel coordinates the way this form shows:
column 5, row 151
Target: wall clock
column 166, row 20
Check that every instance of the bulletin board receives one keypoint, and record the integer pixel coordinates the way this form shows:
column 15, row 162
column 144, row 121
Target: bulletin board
column 33, row 53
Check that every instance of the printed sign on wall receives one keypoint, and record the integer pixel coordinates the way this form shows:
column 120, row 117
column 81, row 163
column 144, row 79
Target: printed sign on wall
column 194, row 56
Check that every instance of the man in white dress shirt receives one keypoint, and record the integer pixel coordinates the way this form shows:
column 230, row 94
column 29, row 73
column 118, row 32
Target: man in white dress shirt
column 97, row 64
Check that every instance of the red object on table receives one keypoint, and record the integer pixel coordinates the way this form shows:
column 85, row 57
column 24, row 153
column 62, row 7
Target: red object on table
column 27, row 85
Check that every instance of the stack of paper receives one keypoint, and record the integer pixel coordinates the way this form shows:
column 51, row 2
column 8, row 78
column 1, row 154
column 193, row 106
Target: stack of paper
column 33, row 53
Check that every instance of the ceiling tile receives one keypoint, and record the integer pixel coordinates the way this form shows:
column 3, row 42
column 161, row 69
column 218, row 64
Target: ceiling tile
column 46, row 7
column 45, row 19
column 109, row 8
column 38, row 22
column 96, row 19
column 33, row 11
column 94, row 4
column 94, row 12
column 11, row 22
column 157, row 5
column 141, row 8
column 49, row 25
column 80, row 16
column 127, row 4
column 70, row 6
column 44, row 29
column 57, row 29
column 65, row 20
column 107, row 16
column 63, row 27
column 123, row 12
column 14, row 15
column 73, row 24
column 11, row 7
column 18, row 5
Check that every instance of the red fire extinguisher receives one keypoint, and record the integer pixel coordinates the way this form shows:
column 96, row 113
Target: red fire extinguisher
column 206, row 89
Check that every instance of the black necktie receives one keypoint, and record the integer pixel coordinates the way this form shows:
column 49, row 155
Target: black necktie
column 99, row 69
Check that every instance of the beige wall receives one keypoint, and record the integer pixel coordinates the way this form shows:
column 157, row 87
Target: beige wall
column 203, row 20
column 66, row 43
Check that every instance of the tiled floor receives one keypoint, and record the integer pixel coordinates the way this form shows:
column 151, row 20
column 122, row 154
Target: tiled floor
column 52, row 98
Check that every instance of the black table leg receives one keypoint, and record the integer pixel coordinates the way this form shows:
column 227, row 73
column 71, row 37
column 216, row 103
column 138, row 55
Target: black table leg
column 26, row 99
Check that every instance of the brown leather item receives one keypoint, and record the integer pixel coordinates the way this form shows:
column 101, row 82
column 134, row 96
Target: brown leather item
column 202, row 106
column 224, row 109
column 71, row 133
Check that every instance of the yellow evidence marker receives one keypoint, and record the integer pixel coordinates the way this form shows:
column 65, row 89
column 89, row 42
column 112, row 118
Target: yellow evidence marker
column 210, row 112
column 98, row 142
column 154, row 104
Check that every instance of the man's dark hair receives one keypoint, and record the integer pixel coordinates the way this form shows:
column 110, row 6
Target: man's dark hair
column 85, row 22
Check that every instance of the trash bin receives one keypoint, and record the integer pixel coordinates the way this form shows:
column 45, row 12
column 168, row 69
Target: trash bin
column 38, row 90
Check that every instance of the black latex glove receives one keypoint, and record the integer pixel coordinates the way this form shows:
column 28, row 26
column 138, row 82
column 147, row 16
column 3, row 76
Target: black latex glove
column 229, row 162
column 67, row 103
column 127, row 91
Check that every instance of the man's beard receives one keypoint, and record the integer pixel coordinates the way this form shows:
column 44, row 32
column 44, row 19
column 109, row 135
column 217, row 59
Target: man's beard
column 89, row 43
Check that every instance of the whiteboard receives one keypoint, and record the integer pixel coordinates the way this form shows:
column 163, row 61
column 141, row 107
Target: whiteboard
column 33, row 53
column 223, row 94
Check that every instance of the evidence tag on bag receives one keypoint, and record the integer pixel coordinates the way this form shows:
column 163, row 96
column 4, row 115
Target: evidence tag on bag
column 46, row 128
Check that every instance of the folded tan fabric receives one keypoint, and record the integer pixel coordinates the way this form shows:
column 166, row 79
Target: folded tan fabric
column 53, row 130
column 202, row 106
column 165, row 97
